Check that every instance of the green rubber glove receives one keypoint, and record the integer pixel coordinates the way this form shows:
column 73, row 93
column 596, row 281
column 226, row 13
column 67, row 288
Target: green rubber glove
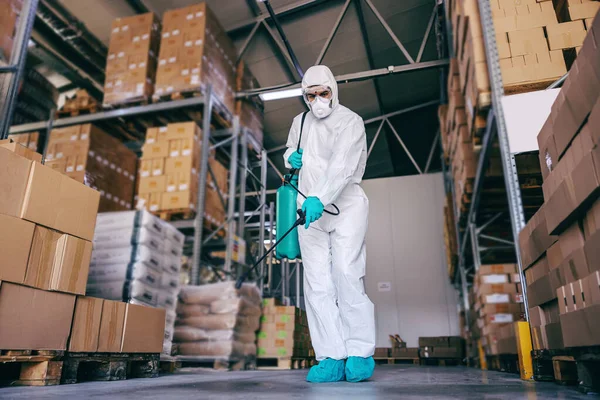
column 295, row 159
column 313, row 208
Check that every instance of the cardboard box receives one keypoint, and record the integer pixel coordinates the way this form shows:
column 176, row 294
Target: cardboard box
column 17, row 235
column 180, row 165
column 183, row 130
column 177, row 200
column 538, row 270
column 592, row 288
column 566, row 35
column 85, row 330
column 489, row 269
column 33, row 318
column 143, row 330
column 529, row 41
column 591, row 220
column 497, row 288
column 581, row 327
column 535, row 238
column 14, row 171
column 21, row 150
column 585, row 10
column 58, row 261
column 158, row 166
column 151, row 151
column 152, row 184
column 111, row 326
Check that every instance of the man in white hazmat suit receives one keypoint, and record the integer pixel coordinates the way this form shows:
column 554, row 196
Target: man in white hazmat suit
column 332, row 160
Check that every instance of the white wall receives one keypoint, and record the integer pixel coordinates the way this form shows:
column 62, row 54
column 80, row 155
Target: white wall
column 405, row 247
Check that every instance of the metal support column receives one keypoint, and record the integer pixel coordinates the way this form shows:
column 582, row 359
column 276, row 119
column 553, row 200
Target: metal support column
column 233, row 168
column 517, row 214
column 243, row 175
column 9, row 81
column 263, row 203
column 203, row 173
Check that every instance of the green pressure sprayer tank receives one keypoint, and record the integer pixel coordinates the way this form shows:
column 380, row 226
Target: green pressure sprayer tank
column 286, row 216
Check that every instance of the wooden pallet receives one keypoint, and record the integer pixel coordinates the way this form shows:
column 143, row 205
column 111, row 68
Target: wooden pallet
column 221, row 115
column 176, row 215
column 285, row 362
column 220, row 364
column 79, row 367
column 543, row 368
column 396, row 360
column 133, row 101
column 524, row 87
column 565, row 370
column 440, row 362
column 588, row 368
column 503, row 363
column 30, row 367
column 91, row 109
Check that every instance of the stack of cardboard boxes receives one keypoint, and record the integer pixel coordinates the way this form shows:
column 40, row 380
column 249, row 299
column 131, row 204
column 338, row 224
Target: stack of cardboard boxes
column 497, row 304
column 91, row 156
column 48, row 222
column 195, row 51
column 132, row 59
column 137, row 259
column 169, row 173
column 444, row 347
column 560, row 245
column 250, row 110
column 29, row 140
column 283, row 332
column 8, row 23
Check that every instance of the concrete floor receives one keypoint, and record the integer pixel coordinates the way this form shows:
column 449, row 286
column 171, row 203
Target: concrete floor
column 389, row 382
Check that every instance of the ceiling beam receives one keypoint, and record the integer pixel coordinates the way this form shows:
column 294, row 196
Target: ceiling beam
column 138, row 6
column 334, row 30
column 279, row 12
column 287, row 44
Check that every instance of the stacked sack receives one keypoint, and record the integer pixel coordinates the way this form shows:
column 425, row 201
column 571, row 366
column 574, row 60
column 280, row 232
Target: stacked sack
column 217, row 321
column 137, row 259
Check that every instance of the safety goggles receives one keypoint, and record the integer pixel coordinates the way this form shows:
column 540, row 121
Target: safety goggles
column 322, row 92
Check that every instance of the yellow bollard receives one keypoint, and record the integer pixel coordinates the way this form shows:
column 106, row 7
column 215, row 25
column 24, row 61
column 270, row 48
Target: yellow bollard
column 524, row 349
column 482, row 358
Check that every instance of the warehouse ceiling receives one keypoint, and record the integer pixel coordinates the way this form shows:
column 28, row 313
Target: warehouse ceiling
column 360, row 44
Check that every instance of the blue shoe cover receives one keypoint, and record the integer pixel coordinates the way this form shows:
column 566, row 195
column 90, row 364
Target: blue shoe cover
column 359, row 369
column 328, row 370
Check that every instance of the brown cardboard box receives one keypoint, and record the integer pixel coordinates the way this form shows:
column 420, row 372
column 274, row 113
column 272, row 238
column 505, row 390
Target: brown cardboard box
column 57, row 201
column 585, row 10
column 14, row 171
column 535, row 239
column 183, row 130
column 581, row 328
column 58, row 262
column 21, row 150
column 85, row 330
column 158, row 166
column 180, row 165
column 111, row 326
column 591, row 221
column 534, row 16
column 529, row 41
column 537, row 270
column 152, row 151
column 146, row 168
column 17, row 235
column 489, row 269
column 566, row 35
column 541, row 291
column 152, row 184
column 177, row 200
column 592, row 288
column 143, row 331
column 33, row 318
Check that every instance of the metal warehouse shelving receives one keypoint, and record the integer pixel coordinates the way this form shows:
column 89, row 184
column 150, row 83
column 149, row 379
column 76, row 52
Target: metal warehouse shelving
column 495, row 132
column 232, row 141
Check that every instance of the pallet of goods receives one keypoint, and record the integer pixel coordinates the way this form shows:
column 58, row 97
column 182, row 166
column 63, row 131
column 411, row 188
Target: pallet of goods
column 195, row 51
column 498, row 305
column 48, row 221
column 536, row 45
column 251, row 109
column 89, row 155
column 168, row 175
column 560, row 244
column 441, row 350
column 29, row 140
column 79, row 103
column 284, row 338
column 132, row 60
column 8, row 25
column 216, row 325
column 137, row 259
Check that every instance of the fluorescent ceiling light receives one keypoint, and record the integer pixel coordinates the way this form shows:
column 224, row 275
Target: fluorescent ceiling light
column 281, row 94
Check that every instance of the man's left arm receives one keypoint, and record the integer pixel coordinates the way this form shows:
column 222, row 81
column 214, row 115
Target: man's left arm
column 343, row 162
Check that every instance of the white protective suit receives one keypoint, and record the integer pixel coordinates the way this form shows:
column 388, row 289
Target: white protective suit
column 340, row 315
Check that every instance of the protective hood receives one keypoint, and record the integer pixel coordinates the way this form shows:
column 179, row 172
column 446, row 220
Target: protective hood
column 321, row 75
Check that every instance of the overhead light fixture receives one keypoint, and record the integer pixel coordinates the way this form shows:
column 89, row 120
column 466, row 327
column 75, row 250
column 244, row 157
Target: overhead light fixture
column 281, row 94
